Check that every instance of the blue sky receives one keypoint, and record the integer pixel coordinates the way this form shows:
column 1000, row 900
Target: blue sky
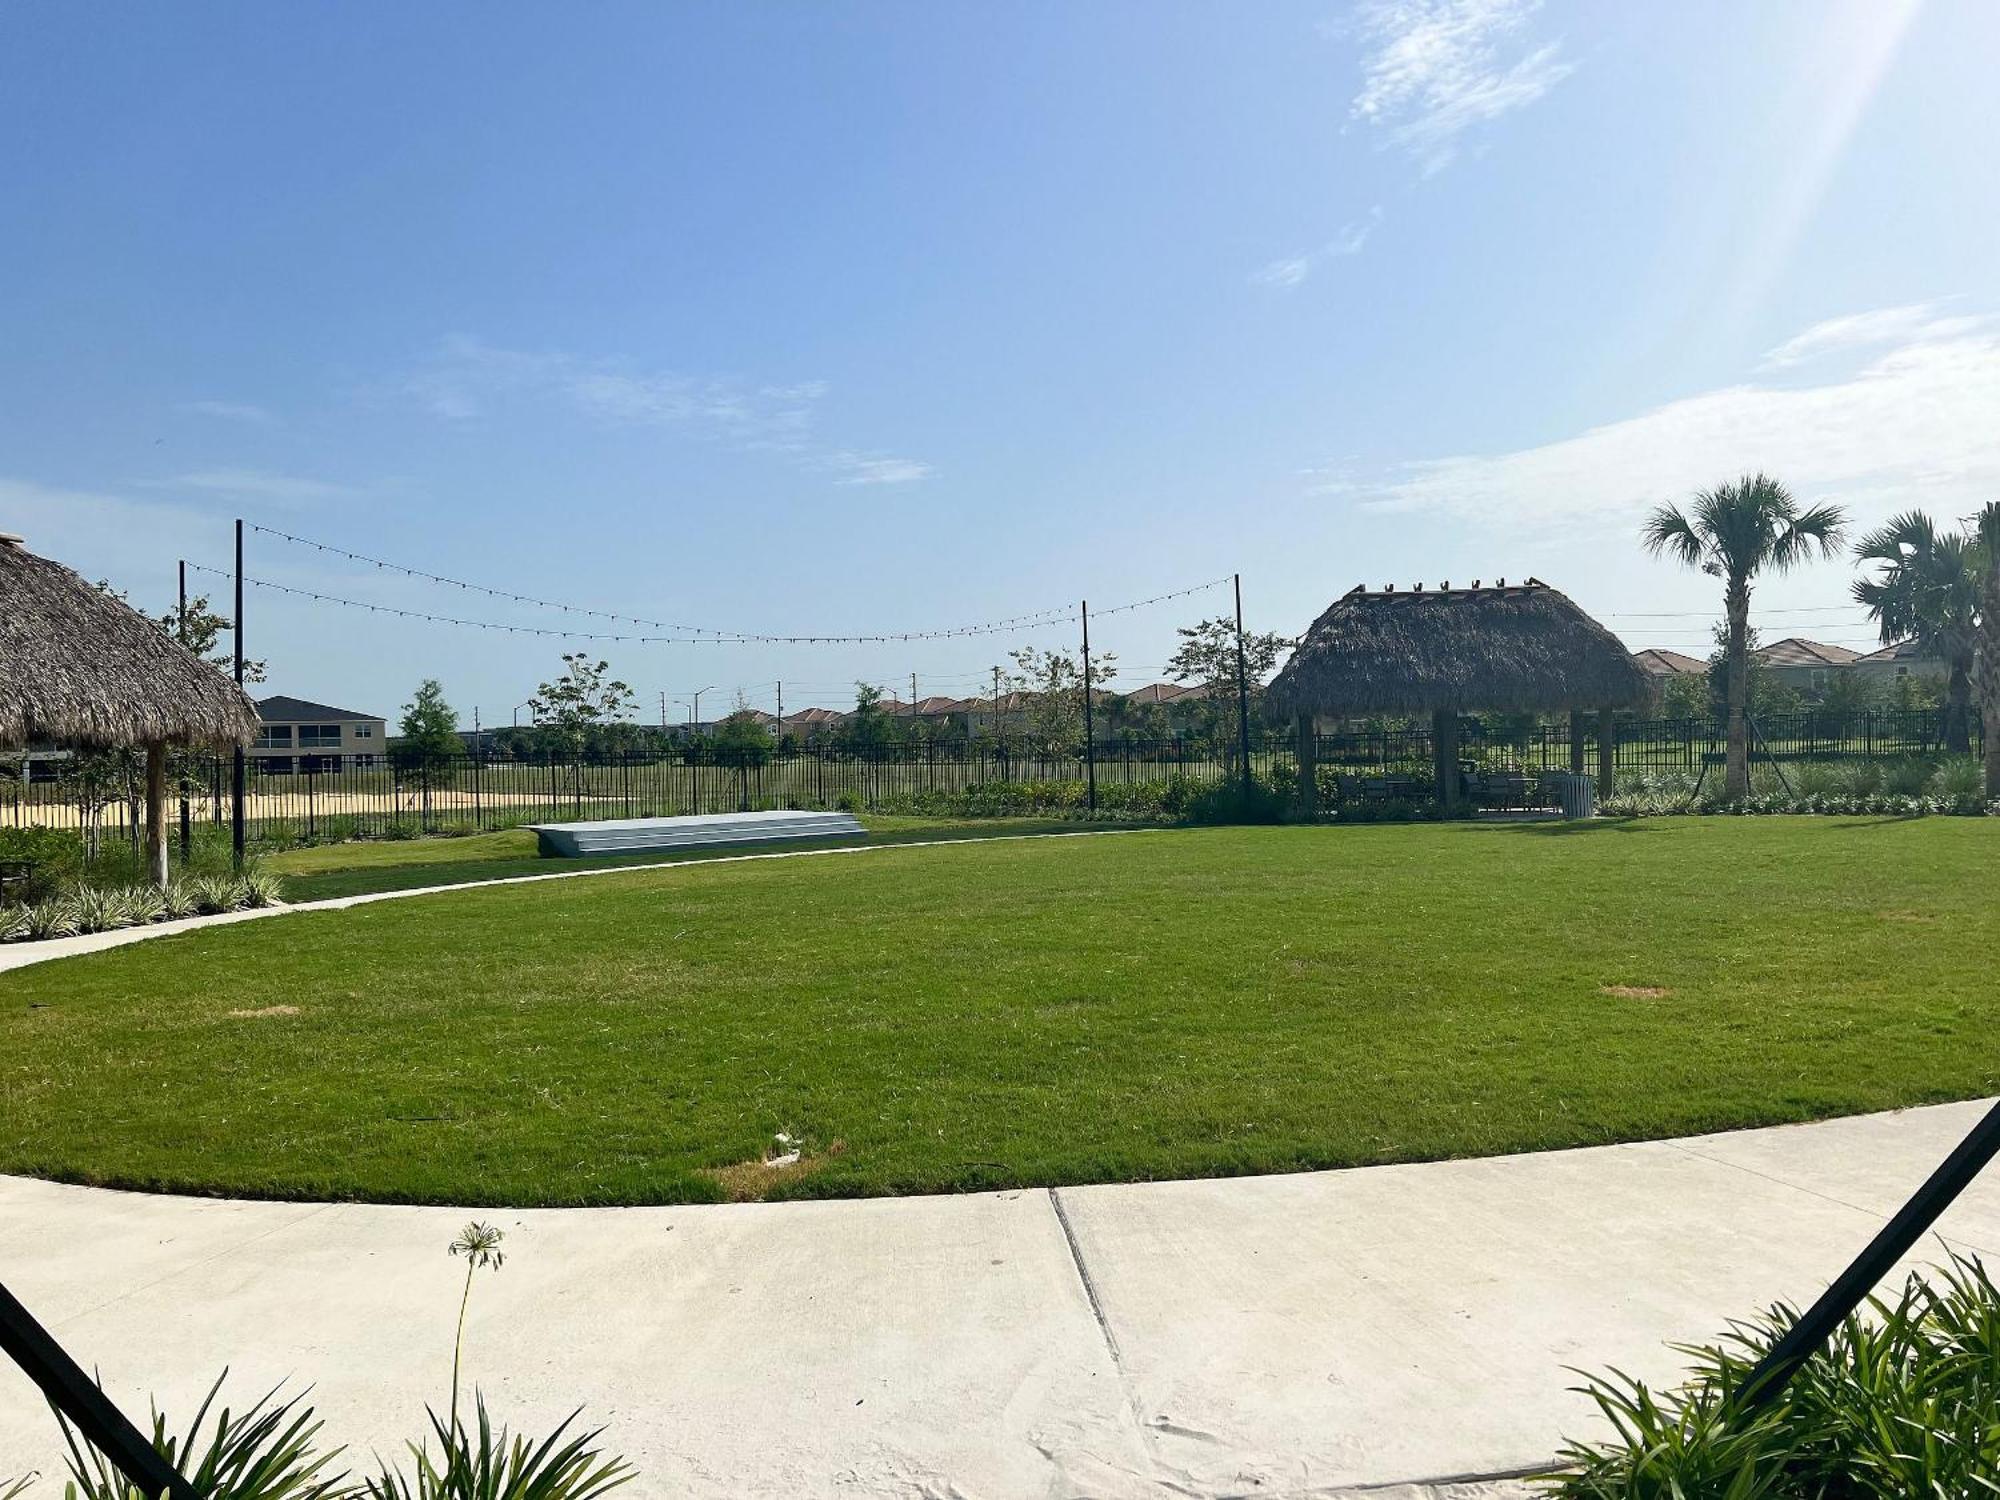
column 873, row 317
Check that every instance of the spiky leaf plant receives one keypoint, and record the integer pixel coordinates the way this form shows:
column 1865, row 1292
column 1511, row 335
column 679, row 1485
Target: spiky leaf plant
column 264, row 1453
column 491, row 1464
column 1903, row 1403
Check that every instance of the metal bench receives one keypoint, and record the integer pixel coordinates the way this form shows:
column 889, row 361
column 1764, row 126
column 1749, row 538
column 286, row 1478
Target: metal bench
column 635, row 835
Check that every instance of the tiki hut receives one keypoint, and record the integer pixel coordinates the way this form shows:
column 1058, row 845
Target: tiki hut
column 78, row 667
column 1520, row 648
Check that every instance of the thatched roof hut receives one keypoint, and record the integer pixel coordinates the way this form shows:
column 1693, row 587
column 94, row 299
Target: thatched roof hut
column 78, row 667
column 1511, row 648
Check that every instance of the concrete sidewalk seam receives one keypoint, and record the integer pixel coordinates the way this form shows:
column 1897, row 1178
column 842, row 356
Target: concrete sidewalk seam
column 1089, row 1283
column 1877, row 1214
column 313, row 1211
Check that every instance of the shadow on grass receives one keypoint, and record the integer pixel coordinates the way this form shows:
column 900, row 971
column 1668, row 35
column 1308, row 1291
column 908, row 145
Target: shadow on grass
column 1562, row 828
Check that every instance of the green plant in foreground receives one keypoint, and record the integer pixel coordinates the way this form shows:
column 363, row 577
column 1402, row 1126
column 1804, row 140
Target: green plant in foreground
column 1904, row 1402
column 490, row 1464
column 264, row 1453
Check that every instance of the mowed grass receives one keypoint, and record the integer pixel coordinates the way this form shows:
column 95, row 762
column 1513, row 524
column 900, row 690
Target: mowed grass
column 1120, row 1006
column 355, row 868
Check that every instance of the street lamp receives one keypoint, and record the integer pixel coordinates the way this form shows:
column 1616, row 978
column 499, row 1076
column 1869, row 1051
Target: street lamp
column 695, row 714
column 517, row 710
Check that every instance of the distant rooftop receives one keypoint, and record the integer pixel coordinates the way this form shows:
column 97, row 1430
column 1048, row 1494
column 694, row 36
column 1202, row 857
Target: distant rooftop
column 1664, row 663
column 1797, row 651
column 279, row 709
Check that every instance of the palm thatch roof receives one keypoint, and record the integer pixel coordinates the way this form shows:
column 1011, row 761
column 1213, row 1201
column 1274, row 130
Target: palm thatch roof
column 1521, row 648
column 78, row 667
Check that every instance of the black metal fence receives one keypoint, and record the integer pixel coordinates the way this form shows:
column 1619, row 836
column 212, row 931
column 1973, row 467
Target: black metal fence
column 322, row 799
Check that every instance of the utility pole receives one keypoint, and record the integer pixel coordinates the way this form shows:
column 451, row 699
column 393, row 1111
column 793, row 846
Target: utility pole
column 995, row 724
column 779, row 731
column 237, row 769
column 1089, row 721
column 187, row 824
column 1242, row 691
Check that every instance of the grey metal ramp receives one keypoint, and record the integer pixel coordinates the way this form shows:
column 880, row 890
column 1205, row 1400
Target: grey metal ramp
column 702, row 831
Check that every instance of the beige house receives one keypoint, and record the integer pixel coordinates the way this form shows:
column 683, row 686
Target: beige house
column 296, row 735
column 1904, row 659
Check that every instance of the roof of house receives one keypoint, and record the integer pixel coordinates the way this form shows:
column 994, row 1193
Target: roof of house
column 1900, row 651
column 80, row 667
column 1797, row 651
column 810, row 717
column 942, row 705
column 1524, row 648
column 1166, row 692
column 1663, row 663
column 280, row 709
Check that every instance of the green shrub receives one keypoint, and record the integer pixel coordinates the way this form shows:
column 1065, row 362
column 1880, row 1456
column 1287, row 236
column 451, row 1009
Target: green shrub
column 56, row 917
column 1959, row 779
column 178, row 901
column 13, row 923
column 213, row 894
column 1899, row 1404
column 55, row 853
column 260, row 888
column 1859, row 778
column 1909, row 777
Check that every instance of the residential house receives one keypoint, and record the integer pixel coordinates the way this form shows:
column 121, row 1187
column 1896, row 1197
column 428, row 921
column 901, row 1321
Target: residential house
column 1904, row 659
column 302, row 736
column 1660, row 663
column 1806, row 665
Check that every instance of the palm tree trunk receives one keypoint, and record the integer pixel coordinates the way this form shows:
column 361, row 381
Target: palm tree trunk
column 1958, row 705
column 1736, row 777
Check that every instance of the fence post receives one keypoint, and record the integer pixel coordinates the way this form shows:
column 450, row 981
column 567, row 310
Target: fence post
column 1607, row 752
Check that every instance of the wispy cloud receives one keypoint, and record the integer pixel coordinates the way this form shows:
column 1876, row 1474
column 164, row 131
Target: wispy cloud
column 1912, row 323
column 230, row 411
column 1914, row 426
column 1293, row 269
column 1435, row 69
column 255, row 484
column 467, row 380
column 863, row 468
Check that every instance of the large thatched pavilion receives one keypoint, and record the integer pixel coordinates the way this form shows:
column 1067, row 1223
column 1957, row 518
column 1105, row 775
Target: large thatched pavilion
column 1505, row 648
column 79, row 668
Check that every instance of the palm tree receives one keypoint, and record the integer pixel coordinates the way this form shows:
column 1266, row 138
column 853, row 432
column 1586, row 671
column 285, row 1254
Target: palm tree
column 1927, row 591
column 1986, row 526
column 1735, row 532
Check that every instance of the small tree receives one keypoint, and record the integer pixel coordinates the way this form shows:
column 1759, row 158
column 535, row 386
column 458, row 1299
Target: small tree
column 580, row 701
column 868, row 727
column 1926, row 588
column 428, row 744
column 1053, row 683
column 742, row 740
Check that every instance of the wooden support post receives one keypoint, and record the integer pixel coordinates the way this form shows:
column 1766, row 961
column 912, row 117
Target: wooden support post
column 1607, row 752
column 1444, row 757
column 1308, row 758
column 1576, row 730
column 156, row 812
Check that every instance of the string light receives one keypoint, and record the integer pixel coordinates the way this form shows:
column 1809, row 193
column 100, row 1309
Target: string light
column 700, row 637
column 697, row 633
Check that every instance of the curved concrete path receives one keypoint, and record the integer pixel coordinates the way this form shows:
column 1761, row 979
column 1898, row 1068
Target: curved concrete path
column 1293, row 1335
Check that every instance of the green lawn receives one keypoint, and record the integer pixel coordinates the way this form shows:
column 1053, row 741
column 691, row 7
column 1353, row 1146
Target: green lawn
column 351, row 869
column 1149, row 1004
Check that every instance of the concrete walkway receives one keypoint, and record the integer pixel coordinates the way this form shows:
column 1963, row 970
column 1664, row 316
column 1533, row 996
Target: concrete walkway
column 1270, row 1336
column 20, row 955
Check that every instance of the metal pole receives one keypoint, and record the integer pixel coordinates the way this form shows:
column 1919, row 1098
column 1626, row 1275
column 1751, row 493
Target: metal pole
column 83, row 1402
column 237, row 778
column 1089, row 723
column 1912, row 1221
column 1242, row 690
